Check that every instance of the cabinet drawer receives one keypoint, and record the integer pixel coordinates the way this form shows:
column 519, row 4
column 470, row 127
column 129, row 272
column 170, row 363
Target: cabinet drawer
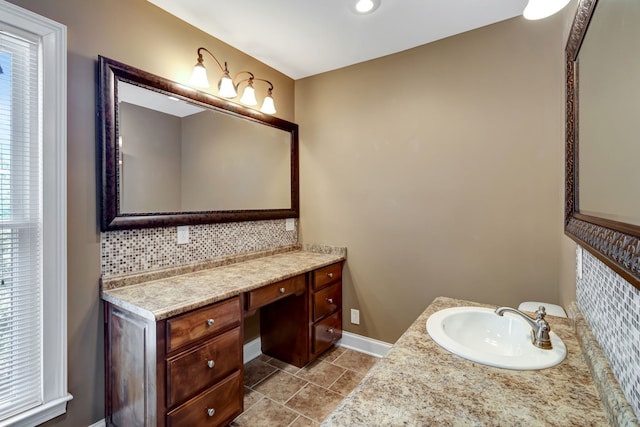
column 215, row 407
column 327, row 332
column 199, row 368
column 326, row 275
column 327, row 301
column 207, row 321
column 267, row 294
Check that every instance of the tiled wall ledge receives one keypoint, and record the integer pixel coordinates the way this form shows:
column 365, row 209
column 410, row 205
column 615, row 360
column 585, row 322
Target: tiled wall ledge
column 617, row 408
column 132, row 279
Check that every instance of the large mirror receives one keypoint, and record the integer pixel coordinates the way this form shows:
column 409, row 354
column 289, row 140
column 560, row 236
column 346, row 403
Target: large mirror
column 602, row 149
column 172, row 155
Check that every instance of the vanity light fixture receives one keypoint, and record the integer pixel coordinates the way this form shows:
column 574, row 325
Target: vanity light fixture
column 227, row 88
column 540, row 9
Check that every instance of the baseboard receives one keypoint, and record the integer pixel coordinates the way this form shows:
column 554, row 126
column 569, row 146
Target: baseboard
column 100, row 423
column 364, row 344
column 252, row 349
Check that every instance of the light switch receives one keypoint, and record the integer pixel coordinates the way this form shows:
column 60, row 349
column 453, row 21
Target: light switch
column 183, row 234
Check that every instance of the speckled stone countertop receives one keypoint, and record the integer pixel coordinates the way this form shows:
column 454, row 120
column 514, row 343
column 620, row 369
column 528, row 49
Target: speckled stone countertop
column 164, row 297
column 418, row 383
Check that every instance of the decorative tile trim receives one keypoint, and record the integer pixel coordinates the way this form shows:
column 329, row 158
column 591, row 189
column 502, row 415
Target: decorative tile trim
column 616, row 407
column 141, row 250
column 611, row 309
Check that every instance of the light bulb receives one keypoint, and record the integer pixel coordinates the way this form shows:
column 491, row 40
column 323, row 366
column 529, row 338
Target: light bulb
column 365, row 6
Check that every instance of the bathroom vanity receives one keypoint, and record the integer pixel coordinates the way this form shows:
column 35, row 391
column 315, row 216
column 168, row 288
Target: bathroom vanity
column 419, row 383
column 174, row 345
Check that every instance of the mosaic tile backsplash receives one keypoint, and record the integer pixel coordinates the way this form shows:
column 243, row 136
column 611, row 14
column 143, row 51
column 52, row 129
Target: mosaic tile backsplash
column 611, row 307
column 134, row 251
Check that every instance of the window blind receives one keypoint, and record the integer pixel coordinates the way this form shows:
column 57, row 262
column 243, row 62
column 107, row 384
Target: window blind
column 20, row 225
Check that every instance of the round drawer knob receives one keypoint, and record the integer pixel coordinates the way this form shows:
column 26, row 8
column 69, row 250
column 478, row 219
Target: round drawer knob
column 211, row 412
column 210, row 322
column 211, row 363
column 330, row 275
column 282, row 290
column 330, row 300
column 330, row 330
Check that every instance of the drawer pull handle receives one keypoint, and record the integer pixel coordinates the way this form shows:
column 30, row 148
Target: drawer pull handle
column 211, row 364
column 211, row 412
column 330, row 275
column 282, row 290
column 210, row 322
column 330, row 300
column 330, row 330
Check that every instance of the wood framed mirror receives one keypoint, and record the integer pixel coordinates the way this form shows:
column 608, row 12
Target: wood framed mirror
column 602, row 207
column 171, row 155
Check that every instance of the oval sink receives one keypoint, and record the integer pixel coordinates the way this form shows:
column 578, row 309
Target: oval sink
column 480, row 335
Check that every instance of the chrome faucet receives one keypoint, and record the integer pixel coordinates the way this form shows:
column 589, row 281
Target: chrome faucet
column 541, row 328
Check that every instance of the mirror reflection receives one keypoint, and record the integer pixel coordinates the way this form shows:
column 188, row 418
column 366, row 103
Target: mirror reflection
column 609, row 95
column 176, row 156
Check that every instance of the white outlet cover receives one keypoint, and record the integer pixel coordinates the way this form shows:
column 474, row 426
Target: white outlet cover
column 355, row 316
column 183, row 234
column 289, row 224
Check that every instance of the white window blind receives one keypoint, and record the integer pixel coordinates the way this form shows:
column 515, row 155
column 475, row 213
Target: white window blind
column 20, row 224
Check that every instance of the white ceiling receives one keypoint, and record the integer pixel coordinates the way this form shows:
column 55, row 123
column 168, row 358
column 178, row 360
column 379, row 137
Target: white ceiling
column 301, row 38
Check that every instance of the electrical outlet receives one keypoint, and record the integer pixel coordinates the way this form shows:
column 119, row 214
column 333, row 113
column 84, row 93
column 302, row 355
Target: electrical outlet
column 183, row 234
column 355, row 316
column 579, row 262
column 289, row 224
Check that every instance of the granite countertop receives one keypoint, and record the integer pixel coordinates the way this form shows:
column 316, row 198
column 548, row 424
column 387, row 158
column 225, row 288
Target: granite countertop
column 167, row 296
column 418, row 383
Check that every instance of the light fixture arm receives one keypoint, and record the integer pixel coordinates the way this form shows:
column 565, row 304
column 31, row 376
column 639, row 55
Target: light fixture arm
column 201, row 59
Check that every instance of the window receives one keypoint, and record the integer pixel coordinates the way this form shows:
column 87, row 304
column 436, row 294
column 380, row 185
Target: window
column 33, row 365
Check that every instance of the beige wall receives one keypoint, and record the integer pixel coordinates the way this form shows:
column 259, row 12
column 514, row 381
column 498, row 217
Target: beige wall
column 137, row 33
column 441, row 170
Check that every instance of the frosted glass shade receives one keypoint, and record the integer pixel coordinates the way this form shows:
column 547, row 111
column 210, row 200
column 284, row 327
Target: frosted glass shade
column 539, row 9
column 226, row 89
column 267, row 105
column 199, row 76
column 249, row 96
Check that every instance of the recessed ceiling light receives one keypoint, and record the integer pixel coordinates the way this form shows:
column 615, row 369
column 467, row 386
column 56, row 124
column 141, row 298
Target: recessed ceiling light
column 362, row 7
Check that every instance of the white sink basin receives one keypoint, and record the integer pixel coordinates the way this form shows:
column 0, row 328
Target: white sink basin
column 480, row 335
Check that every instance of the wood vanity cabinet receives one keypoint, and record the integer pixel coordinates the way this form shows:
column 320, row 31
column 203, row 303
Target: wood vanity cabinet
column 187, row 371
column 299, row 328
column 182, row 371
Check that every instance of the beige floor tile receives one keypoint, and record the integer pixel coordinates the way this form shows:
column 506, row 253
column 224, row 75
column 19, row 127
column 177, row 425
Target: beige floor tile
column 355, row 361
column 314, row 402
column 284, row 366
column 255, row 371
column 280, row 386
column 265, row 413
column 321, row 373
column 347, row 382
column 251, row 397
column 302, row 421
column 332, row 354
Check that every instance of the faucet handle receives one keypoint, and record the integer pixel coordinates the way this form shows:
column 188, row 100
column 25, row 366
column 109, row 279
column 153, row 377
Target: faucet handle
column 541, row 312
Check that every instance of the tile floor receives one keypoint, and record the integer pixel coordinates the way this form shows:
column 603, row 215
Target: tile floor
column 279, row 394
